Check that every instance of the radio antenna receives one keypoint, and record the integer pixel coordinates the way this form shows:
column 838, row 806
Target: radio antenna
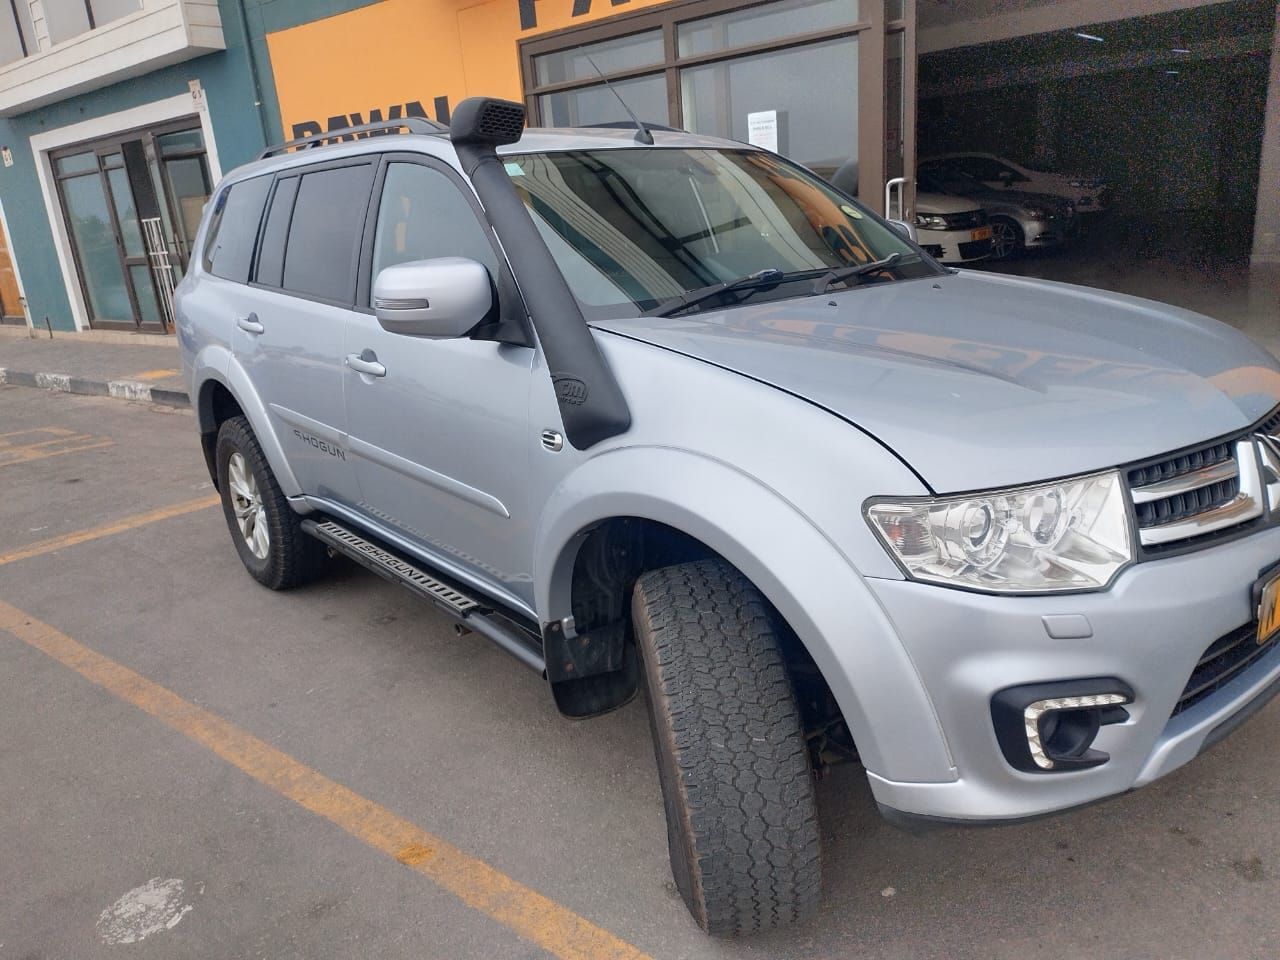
column 642, row 132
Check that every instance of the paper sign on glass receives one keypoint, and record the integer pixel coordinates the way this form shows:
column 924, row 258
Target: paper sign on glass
column 762, row 129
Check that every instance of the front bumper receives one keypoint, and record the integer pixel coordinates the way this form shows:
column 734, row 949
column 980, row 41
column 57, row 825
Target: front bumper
column 1149, row 630
column 955, row 246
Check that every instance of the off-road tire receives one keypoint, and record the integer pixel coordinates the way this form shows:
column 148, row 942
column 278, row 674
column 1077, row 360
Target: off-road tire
column 293, row 558
column 742, row 826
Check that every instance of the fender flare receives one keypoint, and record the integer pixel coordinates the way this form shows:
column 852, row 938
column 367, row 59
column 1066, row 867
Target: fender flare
column 216, row 364
column 807, row 578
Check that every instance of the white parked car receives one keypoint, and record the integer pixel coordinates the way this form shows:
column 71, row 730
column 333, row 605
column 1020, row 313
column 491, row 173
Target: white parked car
column 952, row 229
column 1089, row 194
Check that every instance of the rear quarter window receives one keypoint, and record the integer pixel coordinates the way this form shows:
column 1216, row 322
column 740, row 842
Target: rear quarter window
column 237, row 211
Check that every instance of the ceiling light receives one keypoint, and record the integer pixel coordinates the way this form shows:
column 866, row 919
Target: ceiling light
column 1180, row 50
column 1175, row 72
column 1090, row 36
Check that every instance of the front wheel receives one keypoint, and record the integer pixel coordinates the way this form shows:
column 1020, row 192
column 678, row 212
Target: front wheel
column 1007, row 239
column 267, row 533
column 742, row 826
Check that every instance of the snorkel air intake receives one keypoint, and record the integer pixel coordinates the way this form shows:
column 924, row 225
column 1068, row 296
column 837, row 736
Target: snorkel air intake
column 591, row 403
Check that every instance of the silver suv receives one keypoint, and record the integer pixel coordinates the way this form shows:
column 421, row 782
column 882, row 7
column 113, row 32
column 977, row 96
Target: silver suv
column 656, row 411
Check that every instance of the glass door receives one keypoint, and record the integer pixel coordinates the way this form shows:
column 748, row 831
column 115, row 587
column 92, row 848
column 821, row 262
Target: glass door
column 900, row 109
column 132, row 204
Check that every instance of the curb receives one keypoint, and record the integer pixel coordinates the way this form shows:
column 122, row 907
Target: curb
column 134, row 390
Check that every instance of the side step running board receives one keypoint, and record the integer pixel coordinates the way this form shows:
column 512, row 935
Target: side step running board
column 465, row 609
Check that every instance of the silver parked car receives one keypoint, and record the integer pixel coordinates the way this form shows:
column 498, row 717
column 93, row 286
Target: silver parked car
column 1020, row 221
column 651, row 410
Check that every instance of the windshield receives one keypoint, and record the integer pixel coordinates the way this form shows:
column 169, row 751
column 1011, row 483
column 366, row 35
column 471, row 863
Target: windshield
column 634, row 229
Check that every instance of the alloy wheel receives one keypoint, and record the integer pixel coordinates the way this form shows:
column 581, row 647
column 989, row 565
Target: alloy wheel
column 1004, row 240
column 247, row 503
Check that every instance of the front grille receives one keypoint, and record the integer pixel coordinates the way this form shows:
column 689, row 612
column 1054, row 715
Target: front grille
column 1190, row 495
column 974, row 248
column 1225, row 659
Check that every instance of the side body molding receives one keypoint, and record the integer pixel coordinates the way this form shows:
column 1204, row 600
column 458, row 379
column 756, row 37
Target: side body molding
column 803, row 574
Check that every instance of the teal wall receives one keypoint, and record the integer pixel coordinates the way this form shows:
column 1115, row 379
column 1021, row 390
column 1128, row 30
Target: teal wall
column 238, row 129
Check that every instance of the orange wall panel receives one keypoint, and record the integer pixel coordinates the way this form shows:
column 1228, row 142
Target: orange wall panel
column 405, row 57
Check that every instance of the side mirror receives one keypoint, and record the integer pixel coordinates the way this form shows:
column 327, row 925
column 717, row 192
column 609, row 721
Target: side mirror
column 441, row 299
column 908, row 230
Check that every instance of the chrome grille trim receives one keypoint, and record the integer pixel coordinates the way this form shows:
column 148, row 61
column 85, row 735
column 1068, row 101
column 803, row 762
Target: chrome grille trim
column 1186, row 483
column 1245, row 505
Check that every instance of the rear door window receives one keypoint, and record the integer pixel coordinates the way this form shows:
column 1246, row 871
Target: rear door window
column 228, row 250
column 323, row 247
column 276, row 231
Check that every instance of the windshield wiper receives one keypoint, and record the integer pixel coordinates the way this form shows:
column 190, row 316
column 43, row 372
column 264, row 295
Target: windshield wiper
column 770, row 276
column 824, row 282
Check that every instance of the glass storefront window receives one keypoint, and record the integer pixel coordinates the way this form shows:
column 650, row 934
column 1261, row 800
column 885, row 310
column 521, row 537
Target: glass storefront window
column 611, row 56
column 189, row 187
column 184, row 141
column 717, row 97
column 773, row 21
column 126, row 214
column 89, row 219
column 646, row 96
column 78, row 163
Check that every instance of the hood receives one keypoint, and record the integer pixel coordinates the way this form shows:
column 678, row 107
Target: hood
column 980, row 380
column 937, row 203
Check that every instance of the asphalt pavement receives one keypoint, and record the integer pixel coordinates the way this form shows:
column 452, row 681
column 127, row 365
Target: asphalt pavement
column 193, row 766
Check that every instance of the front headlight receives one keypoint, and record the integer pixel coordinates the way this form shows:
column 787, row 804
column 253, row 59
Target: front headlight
column 1069, row 535
column 926, row 221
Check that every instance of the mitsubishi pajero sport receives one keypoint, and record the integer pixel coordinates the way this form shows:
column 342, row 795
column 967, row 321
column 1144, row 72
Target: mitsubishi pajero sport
column 658, row 412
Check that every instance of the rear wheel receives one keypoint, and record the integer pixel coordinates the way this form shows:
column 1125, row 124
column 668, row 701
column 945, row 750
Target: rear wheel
column 1007, row 239
column 742, row 827
column 267, row 533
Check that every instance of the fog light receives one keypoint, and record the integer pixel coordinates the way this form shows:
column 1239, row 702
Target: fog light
column 1048, row 727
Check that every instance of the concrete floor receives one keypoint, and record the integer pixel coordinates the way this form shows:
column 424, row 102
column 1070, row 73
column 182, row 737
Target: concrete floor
column 357, row 680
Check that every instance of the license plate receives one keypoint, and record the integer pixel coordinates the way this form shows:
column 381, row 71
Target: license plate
column 982, row 233
column 1269, row 610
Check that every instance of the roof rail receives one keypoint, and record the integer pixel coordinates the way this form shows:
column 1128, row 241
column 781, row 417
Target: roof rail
column 412, row 124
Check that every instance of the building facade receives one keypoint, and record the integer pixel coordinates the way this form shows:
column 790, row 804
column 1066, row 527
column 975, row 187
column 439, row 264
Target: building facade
column 117, row 117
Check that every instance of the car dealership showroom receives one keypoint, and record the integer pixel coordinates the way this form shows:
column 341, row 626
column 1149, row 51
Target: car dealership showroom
column 1162, row 120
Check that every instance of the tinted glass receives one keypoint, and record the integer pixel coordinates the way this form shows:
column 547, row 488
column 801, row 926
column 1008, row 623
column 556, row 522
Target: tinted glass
column 271, row 257
column 632, row 228
column 89, row 217
column 611, row 56
column 10, row 41
column 740, row 28
column 423, row 215
column 238, row 211
column 324, row 235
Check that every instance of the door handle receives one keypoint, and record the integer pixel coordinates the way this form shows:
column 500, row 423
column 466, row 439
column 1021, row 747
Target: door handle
column 367, row 363
column 250, row 324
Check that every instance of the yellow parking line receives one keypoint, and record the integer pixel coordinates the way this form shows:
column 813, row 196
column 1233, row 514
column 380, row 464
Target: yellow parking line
column 56, row 431
column 536, row 918
column 107, row 529
column 14, row 455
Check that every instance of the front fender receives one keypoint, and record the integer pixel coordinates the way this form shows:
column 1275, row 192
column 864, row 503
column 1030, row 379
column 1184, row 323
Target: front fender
column 216, row 364
column 800, row 570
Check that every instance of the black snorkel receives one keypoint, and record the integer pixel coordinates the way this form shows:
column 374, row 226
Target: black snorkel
column 591, row 403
